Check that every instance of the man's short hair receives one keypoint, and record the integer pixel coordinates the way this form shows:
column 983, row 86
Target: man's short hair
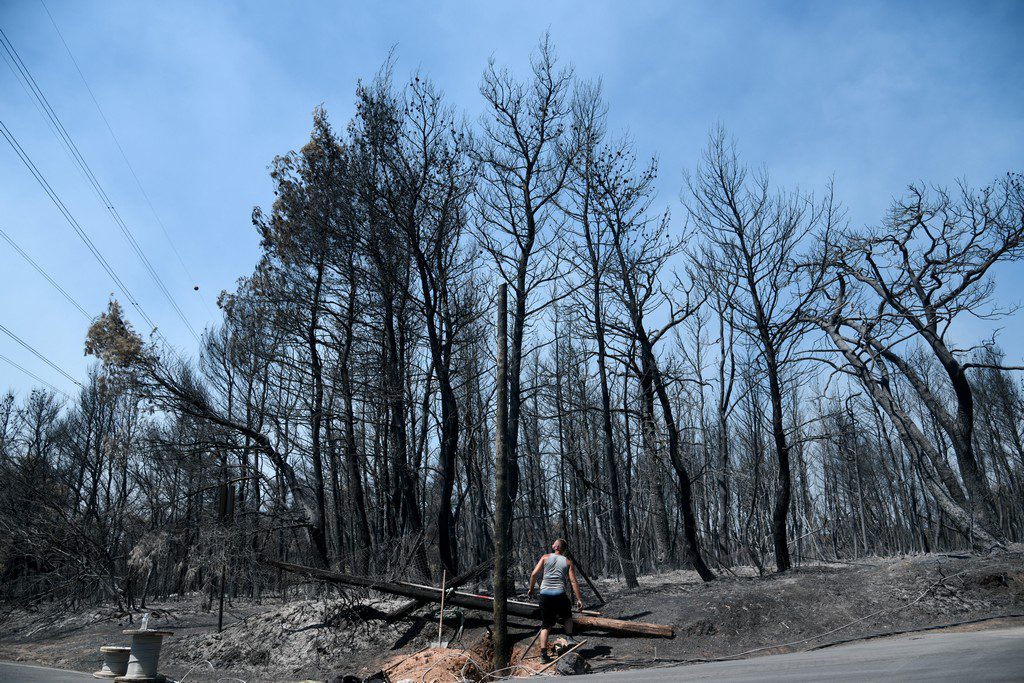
column 562, row 543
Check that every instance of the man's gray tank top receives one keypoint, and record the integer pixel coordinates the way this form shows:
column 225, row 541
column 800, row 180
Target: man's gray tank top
column 556, row 569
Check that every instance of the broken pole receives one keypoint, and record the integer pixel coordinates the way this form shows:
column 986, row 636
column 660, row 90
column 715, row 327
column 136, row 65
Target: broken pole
column 635, row 628
column 484, row 603
column 413, row 605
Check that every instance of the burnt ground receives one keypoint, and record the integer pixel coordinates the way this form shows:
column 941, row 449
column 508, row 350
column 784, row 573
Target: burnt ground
column 737, row 616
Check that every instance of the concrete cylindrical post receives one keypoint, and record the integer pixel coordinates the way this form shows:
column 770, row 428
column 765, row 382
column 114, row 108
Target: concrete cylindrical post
column 115, row 662
column 145, row 655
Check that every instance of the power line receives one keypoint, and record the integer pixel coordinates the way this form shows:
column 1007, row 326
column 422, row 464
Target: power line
column 72, row 221
column 124, row 156
column 33, row 375
column 38, row 355
column 42, row 272
column 104, row 198
column 24, row 86
column 65, row 138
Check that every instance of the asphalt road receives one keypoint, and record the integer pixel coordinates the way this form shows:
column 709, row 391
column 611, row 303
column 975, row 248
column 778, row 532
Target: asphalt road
column 996, row 655
column 24, row 673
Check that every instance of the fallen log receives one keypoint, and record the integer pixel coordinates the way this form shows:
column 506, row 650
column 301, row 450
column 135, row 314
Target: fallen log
column 413, row 605
column 636, row 628
column 483, row 603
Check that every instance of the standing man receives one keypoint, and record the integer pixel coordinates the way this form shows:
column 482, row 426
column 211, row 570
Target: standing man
column 554, row 601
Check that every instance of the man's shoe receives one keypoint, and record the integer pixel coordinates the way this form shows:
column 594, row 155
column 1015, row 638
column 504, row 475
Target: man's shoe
column 545, row 658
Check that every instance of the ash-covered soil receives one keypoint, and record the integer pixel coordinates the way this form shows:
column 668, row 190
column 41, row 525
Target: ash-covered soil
column 811, row 607
column 739, row 615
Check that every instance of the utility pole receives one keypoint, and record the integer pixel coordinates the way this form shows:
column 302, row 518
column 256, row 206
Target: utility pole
column 226, row 505
column 502, row 504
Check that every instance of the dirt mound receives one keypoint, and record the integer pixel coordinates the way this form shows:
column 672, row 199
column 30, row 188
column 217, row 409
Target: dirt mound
column 437, row 665
column 325, row 634
column 451, row 665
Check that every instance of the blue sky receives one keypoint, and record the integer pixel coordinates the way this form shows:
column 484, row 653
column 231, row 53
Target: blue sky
column 202, row 95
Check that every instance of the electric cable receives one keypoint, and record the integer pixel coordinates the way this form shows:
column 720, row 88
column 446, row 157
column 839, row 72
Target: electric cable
column 124, row 156
column 97, row 187
column 43, row 272
column 38, row 355
column 32, row 375
column 72, row 221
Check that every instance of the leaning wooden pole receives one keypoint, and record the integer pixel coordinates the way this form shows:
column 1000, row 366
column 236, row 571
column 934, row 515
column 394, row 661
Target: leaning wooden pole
column 579, row 570
column 502, row 505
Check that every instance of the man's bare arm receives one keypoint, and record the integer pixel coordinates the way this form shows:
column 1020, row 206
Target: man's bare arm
column 536, row 572
column 575, row 586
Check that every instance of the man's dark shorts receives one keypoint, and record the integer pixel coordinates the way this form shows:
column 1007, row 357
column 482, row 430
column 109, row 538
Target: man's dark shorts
column 554, row 609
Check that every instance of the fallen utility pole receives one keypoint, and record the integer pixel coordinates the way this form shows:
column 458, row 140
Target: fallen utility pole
column 484, row 603
column 530, row 605
column 408, row 608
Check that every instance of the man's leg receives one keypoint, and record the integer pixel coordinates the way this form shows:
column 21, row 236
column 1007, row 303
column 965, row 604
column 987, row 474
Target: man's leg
column 544, row 657
column 568, row 624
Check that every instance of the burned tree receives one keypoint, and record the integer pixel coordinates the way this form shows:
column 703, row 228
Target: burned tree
column 640, row 248
column 525, row 162
column 899, row 289
column 423, row 180
column 593, row 259
column 752, row 237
